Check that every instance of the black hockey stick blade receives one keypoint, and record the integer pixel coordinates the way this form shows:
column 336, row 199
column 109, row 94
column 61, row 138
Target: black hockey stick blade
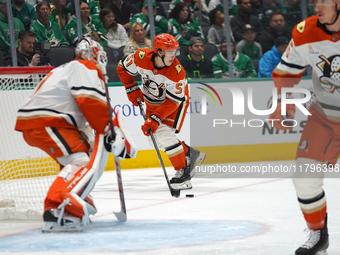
column 174, row 192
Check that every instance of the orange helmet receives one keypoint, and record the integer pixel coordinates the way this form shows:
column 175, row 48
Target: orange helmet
column 165, row 42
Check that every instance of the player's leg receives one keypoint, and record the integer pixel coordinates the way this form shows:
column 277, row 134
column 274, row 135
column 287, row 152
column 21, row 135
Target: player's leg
column 69, row 148
column 181, row 156
column 71, row 190
column 314, row 151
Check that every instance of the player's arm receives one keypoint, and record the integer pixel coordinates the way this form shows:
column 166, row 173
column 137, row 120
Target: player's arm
column 89, row 93
column 126, row 69
column 286, row 75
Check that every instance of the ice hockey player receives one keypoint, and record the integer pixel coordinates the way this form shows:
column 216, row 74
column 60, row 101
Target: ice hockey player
column 55, row 119
column 166, row 95
column 315, row 42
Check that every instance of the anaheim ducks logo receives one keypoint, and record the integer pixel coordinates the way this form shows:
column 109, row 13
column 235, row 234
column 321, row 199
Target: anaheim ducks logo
column 331, row 73
column 141, row 54
column 153, row 88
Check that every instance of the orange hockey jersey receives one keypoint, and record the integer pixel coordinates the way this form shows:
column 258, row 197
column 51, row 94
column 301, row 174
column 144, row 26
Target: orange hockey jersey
column 161, row 87
column 69, row 95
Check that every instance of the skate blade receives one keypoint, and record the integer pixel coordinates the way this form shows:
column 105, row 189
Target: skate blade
column 182, row 186
column 324, row 252
column 53, row 227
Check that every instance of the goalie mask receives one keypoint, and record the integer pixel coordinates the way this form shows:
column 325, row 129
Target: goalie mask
column 89, row 49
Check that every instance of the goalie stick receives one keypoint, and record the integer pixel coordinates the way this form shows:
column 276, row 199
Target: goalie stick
column 174, row 192
column 121, row 216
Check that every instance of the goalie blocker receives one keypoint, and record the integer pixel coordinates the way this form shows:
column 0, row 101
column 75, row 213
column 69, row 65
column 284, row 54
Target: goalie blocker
column 70, row 191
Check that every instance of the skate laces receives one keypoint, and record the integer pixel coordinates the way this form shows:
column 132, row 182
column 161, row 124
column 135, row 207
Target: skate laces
column 313, row 238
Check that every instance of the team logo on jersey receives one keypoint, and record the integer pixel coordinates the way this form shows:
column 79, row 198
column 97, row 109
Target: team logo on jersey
column 331, row 73
column 178, row 68
column 303, row 145
column 153, row 88
column 301, row 26
column 141, row 54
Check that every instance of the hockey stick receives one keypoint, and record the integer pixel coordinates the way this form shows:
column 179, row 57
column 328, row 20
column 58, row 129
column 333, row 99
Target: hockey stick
column 174, row 192
column 121, row 216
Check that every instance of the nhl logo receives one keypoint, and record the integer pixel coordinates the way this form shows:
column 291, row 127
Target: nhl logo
column 335, row 37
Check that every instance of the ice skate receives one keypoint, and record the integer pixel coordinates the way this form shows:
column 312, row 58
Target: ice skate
column 183, row 176
column 316, row 244
column 57, row 220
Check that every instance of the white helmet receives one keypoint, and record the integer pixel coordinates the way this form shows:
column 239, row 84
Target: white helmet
column 91, row 50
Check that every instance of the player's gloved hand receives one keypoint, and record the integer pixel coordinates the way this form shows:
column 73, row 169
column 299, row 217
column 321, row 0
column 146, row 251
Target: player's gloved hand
column 116, row 145
column 133, row 93
column 151, row 123
column 276, row 118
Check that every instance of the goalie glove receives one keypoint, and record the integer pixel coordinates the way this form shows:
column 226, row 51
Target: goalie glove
column 122, row 146
column 133, row 93
column 276, row 115
column 152, row 124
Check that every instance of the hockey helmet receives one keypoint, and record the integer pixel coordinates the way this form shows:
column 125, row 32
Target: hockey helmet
column 167, row 44
column 91, row 50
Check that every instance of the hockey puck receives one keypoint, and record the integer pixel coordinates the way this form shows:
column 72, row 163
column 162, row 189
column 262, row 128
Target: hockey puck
column 189, row 195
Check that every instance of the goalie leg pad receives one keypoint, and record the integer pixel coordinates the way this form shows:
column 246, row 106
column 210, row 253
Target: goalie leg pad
column 76, row 183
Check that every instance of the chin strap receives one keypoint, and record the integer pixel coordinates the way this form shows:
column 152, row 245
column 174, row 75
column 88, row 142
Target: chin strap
column 337, row 14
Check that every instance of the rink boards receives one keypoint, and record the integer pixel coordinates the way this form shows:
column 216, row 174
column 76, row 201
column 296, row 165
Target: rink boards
column 236, row 141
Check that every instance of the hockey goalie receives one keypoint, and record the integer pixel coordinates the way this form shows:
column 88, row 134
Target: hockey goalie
column 57, row 119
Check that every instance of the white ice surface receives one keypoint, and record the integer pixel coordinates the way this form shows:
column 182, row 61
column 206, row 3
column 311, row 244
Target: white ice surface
column 238, row 216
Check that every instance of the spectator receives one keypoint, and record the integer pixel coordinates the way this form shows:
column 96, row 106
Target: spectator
column 184, row 27
column 162, row 25
column 244, row 17
column 270, row 6
column 198, row 8
column 59, row 13
column 217, row 29
column 93, row 5
column 257, row 8
column 5, row 42
column 25, row 50
column 277, row 27
column 137, row 6
column 46, row 30
column 195, row 65
column 91, row 27
column 115, row 33
column 272, row 58
column 137, row 40
column 24, row 11
column 233, row 9
column 248, row 46
column 121, row 10
column 243, row 67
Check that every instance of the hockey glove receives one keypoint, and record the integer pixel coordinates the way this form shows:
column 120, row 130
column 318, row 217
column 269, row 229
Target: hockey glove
column 133, row 93
column 276, row 118
column 151, row 123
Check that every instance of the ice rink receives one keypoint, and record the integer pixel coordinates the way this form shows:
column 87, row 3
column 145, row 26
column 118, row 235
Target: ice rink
column 227, row 215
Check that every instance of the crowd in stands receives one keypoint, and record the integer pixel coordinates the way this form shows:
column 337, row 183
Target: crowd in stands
column 260, row 31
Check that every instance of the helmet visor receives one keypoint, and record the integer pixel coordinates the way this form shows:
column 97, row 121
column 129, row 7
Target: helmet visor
column 171, row 53
column 321, row 2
